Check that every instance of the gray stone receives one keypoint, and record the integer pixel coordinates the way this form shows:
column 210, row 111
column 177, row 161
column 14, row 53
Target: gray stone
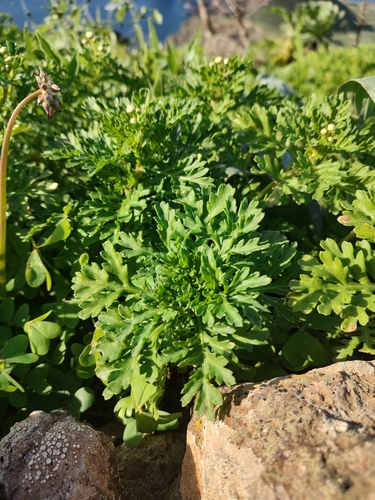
column 304, row 437
column 55, row 457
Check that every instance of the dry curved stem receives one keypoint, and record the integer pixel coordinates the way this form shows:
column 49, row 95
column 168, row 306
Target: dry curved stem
column 50, row 102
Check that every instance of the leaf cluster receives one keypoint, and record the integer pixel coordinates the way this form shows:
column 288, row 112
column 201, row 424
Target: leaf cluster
column 172, row 193
column 199, row 298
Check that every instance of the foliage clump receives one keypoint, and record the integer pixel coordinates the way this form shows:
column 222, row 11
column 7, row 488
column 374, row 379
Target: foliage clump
column 181, row 220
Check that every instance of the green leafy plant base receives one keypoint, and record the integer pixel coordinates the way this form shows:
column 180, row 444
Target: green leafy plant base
column 180, row 220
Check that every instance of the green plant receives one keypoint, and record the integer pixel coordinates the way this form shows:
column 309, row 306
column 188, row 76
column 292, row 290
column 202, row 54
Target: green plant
column 175, row 193
column 172, row 147
column 323, row 71
column 50, row 103
column 200, row 297
column 309, row 25
column 340, row 279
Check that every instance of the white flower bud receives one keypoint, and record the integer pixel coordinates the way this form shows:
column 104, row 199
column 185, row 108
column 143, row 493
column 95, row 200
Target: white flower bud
column 130, row 108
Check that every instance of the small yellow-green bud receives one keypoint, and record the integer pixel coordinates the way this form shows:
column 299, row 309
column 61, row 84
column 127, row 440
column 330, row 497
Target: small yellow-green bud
column 130, row 108
column 323, row 131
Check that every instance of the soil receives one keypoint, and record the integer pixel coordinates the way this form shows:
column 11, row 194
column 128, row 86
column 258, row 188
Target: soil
column 226, row 40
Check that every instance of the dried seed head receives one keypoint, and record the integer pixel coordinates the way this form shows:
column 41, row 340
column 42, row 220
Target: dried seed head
column 48, row 99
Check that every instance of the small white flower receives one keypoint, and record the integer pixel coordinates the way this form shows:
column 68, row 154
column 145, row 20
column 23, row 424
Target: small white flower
column 130, row 108
column 331, row 127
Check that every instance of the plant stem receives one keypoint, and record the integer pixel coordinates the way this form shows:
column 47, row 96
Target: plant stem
column 3, row 190
column 265, row 191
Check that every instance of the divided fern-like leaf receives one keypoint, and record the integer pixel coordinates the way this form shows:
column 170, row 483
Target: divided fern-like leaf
column 341, row 283
column 195, row 297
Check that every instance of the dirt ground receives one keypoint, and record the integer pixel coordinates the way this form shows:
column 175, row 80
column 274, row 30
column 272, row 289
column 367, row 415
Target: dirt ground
column 225, row 42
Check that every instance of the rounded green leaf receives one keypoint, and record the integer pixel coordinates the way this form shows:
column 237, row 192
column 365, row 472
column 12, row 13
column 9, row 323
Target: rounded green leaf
column 36, row 273
column 85, row 372
column 48, row 329
column 86, row 397
column 168, row 421
column 6, row 310
column 36, row 379
column 170, row 426
column 58, row 354
column 25, row 359
column 60, row 233
column 302, row 349
column 86, row 358
column 15, row 347
column 146, row 422
column 131, row 436
column 76, row 349
column 5, row 334
column 18, row 399
column 40, row 333
column 80, row 401
column 22, row 315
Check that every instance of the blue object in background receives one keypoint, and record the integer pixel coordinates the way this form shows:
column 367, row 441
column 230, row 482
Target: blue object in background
column 173, row 11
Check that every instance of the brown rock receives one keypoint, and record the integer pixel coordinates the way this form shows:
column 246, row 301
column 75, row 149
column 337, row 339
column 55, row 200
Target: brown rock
column 55, row 457
column 306, row 437
column 152, row 470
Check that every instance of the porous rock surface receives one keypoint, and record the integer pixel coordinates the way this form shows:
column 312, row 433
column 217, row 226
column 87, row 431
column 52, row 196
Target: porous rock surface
column 55, row 457
column 306, row 437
